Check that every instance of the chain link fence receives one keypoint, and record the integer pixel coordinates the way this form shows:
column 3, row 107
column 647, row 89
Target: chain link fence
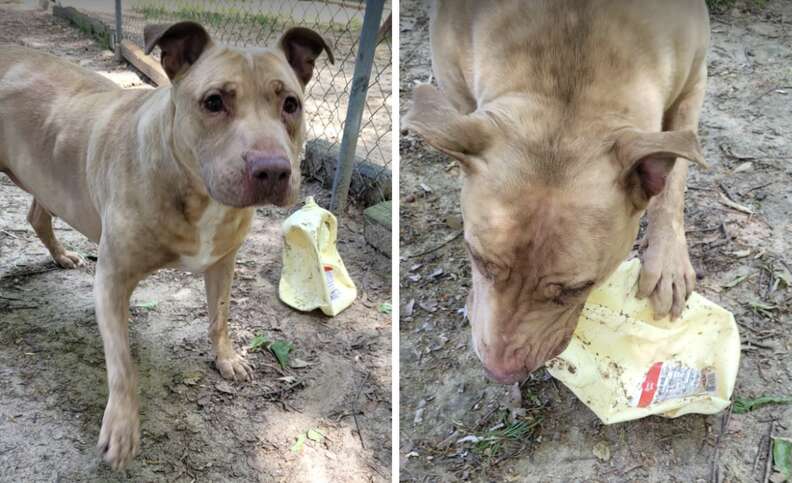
column 250, row 23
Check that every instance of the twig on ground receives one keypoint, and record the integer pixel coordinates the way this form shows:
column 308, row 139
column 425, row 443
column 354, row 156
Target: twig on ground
column 769, row 460
column 715, row 468
column 28, row 274
column 726, row 191
column 703, row 230
column 734, row 205
column 759, row 452
column 768, row 91
column 508, row 456
column 441, row 245
column 763, row 185
column 357, row 409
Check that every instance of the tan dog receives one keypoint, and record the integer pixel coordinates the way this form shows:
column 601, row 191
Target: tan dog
column 570, row 119
column 159, row 178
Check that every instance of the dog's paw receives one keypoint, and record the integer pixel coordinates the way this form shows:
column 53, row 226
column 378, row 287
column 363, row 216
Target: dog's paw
column 235, row 367
column 119, row 439
column 69, row 259
column 667, row 276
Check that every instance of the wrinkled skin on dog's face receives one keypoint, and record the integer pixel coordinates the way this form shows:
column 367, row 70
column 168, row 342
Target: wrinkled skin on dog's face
column 232, row 103
column 551, row 205
column 238, row 120
column 536, row 252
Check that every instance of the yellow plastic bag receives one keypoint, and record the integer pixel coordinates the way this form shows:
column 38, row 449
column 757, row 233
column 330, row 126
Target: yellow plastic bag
column 313, row 274
column 625, row 365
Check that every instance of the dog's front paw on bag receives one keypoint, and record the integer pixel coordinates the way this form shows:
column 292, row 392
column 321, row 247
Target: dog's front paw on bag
column 667, row 276
column 234, row 367
column 119, row 440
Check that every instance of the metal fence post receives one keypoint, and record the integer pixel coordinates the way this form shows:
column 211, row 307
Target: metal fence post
column 119, row 32
column 357, row 102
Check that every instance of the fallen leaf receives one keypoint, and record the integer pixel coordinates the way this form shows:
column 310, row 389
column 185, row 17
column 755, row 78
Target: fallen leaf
column 298, row 363
column 784, row 276
column 280, row 349
column 407, row 311
column 225, row 387
column 385, row 308
column 191, row 378
column 257, row 342
column 436, row 273
column 315, row 435
column 738, row 280
column 472, row 438
column 782, row 457
column 746, row 166
column 298, row 445
column 602, row 451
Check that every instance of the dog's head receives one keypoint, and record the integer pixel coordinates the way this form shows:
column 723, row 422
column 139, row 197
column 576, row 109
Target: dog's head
column 548, row 215
column 238, row 113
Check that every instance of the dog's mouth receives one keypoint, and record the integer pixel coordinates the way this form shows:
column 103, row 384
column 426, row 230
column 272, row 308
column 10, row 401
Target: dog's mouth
column 246, row 194
column 250, row 200
column 506, row 364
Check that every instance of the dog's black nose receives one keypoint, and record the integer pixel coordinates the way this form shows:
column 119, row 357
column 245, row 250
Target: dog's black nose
column 269, row 173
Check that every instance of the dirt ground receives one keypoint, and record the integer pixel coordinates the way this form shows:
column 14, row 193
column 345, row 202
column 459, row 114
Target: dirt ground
column 195, row 426
column 445, row 396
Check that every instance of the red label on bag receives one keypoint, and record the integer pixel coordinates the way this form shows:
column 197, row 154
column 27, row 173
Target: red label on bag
column 649, row 385
column 670, row 380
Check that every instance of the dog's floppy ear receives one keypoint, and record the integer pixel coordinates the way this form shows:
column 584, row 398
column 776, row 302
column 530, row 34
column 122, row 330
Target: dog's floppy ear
column 433, row 118
column 181, row 44
column 302, row 47
column 648, row 158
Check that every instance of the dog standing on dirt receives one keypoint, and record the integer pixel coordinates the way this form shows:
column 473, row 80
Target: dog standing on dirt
column 570, row 119
column 158, row 178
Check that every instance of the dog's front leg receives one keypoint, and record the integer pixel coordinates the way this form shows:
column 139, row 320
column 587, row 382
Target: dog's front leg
column 218, row 289
column 119, row 439
column 667, row 276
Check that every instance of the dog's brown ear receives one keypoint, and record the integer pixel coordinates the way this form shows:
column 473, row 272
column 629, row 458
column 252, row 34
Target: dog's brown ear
column 181, row 44
column 649, row 157
column 433, row 118
column 302, row 47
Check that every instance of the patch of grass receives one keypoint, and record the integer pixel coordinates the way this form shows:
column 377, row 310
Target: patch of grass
column 220, row 17
column 743, row 405
column 508, row 436
column 385, row 308
column 503, row 434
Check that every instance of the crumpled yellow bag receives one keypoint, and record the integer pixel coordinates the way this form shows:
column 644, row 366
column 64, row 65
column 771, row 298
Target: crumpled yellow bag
column 625, row 365
column 313, row 274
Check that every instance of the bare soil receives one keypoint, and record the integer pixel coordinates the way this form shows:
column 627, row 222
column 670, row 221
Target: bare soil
column 445, row 396
column 195, row 425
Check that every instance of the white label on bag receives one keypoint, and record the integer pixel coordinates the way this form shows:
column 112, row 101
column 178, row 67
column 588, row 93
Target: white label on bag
column 331, row 286
column 668, row 380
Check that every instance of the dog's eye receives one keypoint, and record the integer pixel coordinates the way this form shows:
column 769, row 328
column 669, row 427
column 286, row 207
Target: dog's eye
column 490, row 270
column 565, row 294
column 290, row 105
column 214, row 103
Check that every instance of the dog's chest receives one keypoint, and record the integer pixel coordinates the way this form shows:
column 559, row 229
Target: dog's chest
column 219, row 230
